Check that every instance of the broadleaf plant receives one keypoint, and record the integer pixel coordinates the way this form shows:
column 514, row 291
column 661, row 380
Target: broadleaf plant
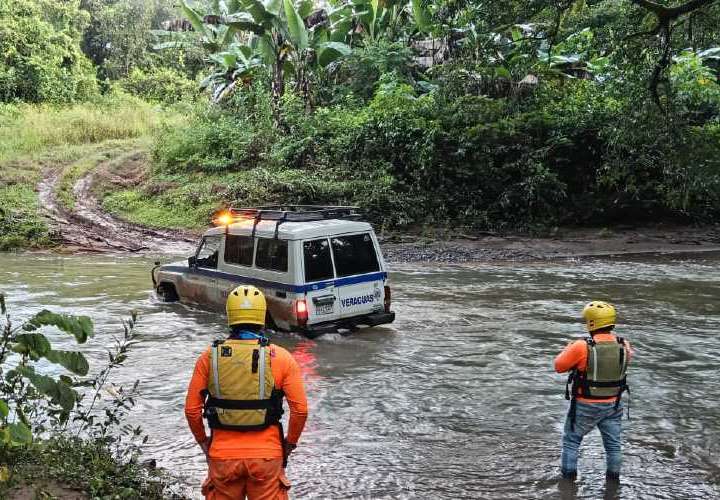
column 27, row 396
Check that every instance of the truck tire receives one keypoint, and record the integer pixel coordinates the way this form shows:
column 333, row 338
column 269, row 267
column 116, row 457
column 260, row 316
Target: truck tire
column 167, row 292
column 270, row 322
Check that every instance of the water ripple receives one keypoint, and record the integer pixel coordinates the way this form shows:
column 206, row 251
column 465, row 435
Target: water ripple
column 458, row 398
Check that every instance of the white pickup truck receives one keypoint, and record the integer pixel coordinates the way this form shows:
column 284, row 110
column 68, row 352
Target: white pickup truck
column 320, row 268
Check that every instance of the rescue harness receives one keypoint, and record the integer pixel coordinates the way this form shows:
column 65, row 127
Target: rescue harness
column 604, row 377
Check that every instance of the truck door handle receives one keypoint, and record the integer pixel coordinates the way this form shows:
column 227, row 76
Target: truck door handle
column 324, row 300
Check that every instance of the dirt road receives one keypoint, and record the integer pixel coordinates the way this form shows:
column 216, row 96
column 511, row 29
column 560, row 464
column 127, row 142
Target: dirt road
column 87, row 228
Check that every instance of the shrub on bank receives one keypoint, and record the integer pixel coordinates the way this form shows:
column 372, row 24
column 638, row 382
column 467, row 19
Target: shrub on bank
column 570, row 152
column 59, row 427
column 83, row 465
column 160, row 85
column 211, row 141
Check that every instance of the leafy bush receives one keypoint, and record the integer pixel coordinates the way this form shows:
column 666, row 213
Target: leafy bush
column 572, row 151
column 696, row 88
column 40, row 46
column 217, row 139
column 50, row 427
column 361, row 72
column 161, row 85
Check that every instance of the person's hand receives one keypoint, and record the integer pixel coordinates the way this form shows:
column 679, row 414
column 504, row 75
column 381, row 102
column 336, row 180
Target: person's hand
column 205, row 445
column 289, row 448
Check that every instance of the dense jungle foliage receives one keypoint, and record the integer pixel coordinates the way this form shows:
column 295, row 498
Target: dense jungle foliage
column 500, row 115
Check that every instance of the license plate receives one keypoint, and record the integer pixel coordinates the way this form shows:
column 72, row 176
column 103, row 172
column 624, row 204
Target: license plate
column 324, row 309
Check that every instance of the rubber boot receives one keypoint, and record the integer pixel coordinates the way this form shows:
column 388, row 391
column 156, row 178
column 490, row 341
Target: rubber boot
column 612, row 477
column 567, row 487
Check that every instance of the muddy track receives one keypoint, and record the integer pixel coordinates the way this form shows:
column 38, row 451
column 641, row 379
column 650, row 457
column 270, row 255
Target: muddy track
column 88, row 228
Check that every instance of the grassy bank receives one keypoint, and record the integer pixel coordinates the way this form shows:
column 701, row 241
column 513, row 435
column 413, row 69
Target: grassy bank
column 570, row 154
column 69, row 141
column 68, row 467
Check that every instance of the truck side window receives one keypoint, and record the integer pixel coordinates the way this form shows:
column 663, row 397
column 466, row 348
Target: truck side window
column 239, row 250
column 318, row 262
column 272, row 254
column 208, row 252
column 354, row 255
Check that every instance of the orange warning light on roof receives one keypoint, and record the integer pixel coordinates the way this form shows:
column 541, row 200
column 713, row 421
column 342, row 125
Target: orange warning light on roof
column 223, row 219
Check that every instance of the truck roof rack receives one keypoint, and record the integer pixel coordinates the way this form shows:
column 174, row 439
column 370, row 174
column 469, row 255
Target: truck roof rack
column 295, row 213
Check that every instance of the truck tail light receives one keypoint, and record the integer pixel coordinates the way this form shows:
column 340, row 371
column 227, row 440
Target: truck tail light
column 301, row 312
column 388, row 299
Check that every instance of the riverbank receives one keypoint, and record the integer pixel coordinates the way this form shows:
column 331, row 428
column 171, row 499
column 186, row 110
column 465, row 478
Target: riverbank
column 562, row 243
column 72, row 191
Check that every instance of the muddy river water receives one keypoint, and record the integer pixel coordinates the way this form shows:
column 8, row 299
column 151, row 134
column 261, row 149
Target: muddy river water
column 456, row 399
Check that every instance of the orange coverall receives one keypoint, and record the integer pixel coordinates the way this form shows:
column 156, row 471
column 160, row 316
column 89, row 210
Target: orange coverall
column 575, row 356
column 248, row 463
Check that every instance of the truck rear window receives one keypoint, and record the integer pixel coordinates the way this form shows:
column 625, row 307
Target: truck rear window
column 354, row 255
column 272, row 254
column 318, row 262
column 239, row 250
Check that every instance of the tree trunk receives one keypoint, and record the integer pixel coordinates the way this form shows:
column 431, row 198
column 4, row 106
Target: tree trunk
column 278, row 90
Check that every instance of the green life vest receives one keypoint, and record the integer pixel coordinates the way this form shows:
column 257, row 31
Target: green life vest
column 241, row 392
column 605, row 375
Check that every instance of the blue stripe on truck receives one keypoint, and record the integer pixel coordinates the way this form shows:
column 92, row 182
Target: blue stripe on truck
column 350, row 280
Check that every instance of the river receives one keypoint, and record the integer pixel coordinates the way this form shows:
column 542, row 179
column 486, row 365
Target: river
column 457, row 399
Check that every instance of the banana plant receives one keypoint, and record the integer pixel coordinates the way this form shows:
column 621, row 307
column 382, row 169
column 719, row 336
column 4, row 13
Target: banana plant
column 234, row 65
column 279, row 35
column 372, row 20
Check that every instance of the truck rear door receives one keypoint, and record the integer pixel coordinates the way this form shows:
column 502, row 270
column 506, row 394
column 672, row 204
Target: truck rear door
column 359, row 279
column 321, row 298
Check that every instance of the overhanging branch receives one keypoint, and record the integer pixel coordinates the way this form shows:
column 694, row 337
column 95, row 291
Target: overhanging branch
column 665, row 13
column 665, row 17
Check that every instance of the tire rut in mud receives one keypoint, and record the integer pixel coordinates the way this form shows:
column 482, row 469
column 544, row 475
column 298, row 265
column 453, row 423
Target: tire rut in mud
column 86, row 227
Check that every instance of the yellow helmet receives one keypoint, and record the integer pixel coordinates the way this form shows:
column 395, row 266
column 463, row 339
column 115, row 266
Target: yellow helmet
column 246, row 305
column 598, row 315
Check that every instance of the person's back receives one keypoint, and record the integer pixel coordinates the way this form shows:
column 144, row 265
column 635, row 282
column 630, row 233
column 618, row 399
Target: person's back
column 597, row 367
column 242, row 400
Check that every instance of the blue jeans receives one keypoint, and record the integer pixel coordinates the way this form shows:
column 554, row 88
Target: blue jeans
column 608, row 421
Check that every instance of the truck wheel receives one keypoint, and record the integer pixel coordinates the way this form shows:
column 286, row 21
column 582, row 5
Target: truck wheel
column 167, row 292
column 269, row 322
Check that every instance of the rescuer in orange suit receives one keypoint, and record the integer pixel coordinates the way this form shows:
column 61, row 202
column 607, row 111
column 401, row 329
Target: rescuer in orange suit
column 238, row 385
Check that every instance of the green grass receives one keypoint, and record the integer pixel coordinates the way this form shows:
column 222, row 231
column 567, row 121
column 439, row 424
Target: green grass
column 71, row 140
column 137, row 207
column 189, row 200
column 20, row 222
column 108, row 154
column 29, row 130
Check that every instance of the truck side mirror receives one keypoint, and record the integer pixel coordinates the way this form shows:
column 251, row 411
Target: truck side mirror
column 192, row 261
